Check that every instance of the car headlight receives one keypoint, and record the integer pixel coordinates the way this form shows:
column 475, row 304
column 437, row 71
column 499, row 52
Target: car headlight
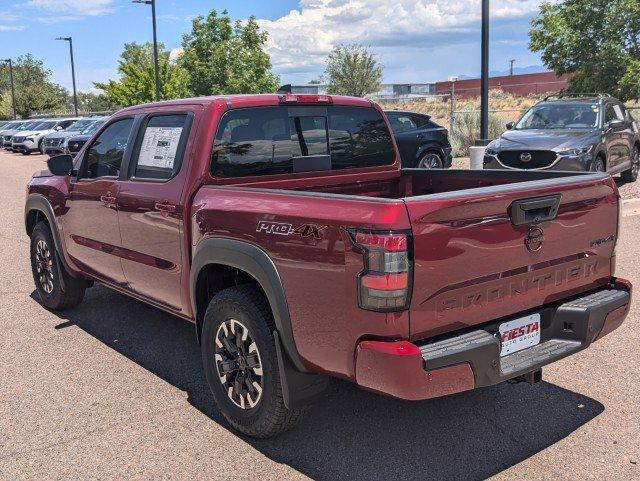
column 31, row 138
column 576, row 152
column 491, row 150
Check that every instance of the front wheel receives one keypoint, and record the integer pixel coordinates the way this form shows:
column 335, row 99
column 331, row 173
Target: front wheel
column 430, row 160
column 631, row 174
column 597, row 165
column 56, row 288
column 241, row 365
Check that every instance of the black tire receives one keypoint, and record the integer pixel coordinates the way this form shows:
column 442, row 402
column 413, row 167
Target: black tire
column 598, row 165
column 631, row 175
column 40, row 147
column 430, row 160
column 48, row 271
column 246, row 307
column 25, row 152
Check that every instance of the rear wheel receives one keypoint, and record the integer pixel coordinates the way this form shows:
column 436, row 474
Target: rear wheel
column 631, row 174
column 430, row 160
column 598, row 165
column 56, row 288
column 241, row 365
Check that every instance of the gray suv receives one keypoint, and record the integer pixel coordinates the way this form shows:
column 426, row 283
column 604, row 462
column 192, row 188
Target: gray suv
column 573, row 132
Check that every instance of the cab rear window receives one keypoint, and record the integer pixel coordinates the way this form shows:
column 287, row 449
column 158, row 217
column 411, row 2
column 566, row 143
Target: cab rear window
column 280, row 140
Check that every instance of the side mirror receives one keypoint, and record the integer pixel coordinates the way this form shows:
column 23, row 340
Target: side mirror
column 60, row 164
column 616, row 124
column 510, row 125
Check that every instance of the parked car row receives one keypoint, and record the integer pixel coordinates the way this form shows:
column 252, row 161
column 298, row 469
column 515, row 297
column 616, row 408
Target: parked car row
column 48, row 136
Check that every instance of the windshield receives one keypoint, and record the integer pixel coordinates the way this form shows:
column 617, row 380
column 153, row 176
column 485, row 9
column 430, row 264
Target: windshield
column 80, row 125
column 29, row 125
column 95, row 125
column 560, row 116
column 45, row 126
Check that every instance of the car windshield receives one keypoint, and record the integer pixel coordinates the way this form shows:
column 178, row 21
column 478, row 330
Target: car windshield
column 80, row 125
column 560, row 116
column 29, row 125
column 95, row 125
column 45, row 126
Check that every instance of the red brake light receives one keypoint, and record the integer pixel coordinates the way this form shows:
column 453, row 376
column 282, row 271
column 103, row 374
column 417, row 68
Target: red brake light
column 305, row 99
column 445, row 132
column 384, row 282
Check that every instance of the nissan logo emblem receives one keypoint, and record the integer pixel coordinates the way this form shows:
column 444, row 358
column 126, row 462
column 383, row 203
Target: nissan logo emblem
column 534, row 239
column 525, row 157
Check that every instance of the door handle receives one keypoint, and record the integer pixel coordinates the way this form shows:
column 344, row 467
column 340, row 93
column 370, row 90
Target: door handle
column 165, row 208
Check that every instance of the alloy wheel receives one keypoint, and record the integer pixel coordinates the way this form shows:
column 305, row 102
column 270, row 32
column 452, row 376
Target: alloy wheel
column 238, row 364
column 44, row 266
column 430, row 161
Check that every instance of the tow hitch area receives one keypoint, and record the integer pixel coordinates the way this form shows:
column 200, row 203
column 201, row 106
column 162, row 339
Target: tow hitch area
column 533, row 377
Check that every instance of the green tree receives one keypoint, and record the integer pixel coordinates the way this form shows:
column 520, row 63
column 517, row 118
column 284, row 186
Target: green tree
column 91, row 102
column 222, row 57
column 136, row 84
column 352, row 70
column 597, row 41
column 34, row 90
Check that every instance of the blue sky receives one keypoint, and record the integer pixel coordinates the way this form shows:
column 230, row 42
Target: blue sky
column 415, row 40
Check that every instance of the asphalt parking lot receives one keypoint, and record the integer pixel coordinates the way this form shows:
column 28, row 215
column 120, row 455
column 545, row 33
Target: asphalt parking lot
column 113, row 389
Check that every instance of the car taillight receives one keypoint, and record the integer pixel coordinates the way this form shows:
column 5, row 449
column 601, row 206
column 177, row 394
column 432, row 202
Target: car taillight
column 305, row 99
column 445, row 132
column 384, row 283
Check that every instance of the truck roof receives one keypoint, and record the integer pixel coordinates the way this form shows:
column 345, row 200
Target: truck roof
column 257, row 100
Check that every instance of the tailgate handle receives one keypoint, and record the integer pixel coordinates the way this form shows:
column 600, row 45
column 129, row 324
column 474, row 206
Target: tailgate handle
column 530, row 211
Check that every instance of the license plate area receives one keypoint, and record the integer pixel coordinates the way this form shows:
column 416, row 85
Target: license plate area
column 519, row 334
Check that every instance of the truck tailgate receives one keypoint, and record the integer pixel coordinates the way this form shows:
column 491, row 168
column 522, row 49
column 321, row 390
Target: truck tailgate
column 472, row 264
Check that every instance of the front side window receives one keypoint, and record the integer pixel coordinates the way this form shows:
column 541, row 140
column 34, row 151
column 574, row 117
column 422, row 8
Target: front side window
column 104, row 157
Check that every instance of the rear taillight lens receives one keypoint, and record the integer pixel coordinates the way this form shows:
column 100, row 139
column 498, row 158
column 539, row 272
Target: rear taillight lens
column 384, row 284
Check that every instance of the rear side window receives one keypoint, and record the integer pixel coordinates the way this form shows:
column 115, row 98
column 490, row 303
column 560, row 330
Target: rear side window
column 402, row 123
column 358, row 137
column 159, row 150
column 104, row 157
column 281, row 140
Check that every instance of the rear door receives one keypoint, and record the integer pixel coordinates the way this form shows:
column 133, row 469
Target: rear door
column 151, row 208
column 472, row 264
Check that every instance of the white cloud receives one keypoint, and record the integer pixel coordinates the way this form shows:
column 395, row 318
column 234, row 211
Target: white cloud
column 73, row 8
column 300, row 40
column 12, row 28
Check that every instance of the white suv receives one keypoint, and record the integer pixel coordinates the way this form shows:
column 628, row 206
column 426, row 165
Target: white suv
column 31, row 140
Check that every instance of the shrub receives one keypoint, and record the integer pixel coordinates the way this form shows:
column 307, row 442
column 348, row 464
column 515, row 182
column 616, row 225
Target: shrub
column 466, row 131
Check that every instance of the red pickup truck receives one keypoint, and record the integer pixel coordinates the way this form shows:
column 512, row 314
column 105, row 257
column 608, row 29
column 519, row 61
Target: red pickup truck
column 283, row 227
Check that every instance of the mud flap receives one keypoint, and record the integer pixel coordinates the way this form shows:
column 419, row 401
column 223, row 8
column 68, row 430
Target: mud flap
column 298, row 389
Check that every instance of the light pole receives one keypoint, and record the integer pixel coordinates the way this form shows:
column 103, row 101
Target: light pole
column 155, row 44
column 73, row 73
column 13, row 89
column 452, row 120
column 511, row 62
column 484, row 76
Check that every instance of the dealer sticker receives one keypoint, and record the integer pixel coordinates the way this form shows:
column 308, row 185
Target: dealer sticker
column 519, row 334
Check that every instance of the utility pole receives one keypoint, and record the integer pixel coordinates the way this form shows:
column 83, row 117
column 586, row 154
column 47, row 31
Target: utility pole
column 13, row 89
column 452, row 119
column 484, row 76
column 73, row 73
column 155, row 44
column 511, row 62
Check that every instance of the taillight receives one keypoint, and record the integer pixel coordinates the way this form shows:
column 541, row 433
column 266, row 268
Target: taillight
column 384, row 283
column 305, row 99
column 445, row 132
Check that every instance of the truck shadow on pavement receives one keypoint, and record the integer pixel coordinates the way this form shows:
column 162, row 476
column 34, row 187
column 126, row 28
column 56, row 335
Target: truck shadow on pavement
column 349, row 433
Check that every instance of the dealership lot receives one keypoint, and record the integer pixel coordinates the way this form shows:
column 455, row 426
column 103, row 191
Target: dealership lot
column 114, row 389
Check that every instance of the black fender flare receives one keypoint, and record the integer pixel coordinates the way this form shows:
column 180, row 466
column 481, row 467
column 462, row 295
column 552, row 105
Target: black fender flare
column 257, row 263
column 40, row 203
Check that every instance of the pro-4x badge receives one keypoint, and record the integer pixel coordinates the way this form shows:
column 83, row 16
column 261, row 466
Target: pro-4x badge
column 284, row 228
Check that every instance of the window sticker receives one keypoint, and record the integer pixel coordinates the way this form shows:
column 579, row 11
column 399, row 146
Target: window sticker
column 159, row 147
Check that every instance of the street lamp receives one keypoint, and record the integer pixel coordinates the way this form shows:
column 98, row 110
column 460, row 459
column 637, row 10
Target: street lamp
column 155, row 43
column 13, row 90
column 73, row 73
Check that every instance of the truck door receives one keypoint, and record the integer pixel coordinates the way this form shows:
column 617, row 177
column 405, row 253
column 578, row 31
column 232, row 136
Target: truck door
column 91, row 231
column 151, row 209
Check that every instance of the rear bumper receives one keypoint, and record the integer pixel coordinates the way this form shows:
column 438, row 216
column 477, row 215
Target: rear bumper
column 465, row 361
